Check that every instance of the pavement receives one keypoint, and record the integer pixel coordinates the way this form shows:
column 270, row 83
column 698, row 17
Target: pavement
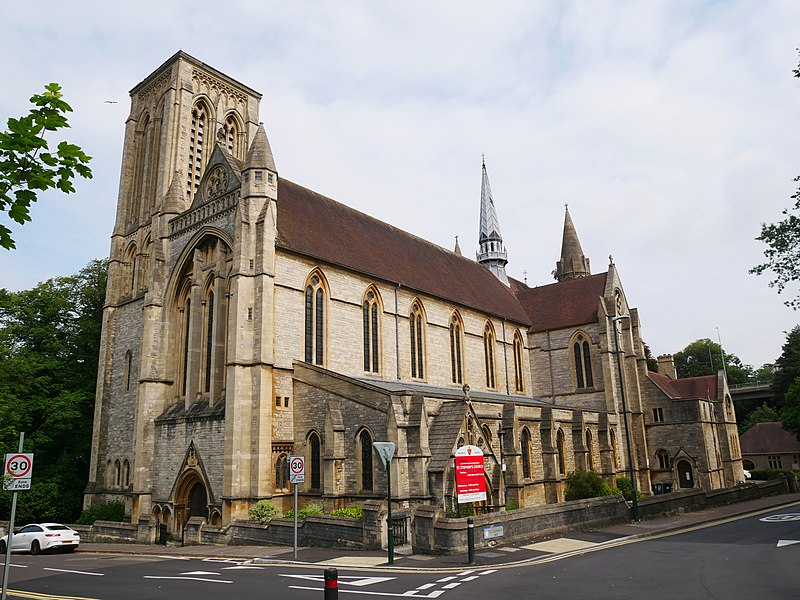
column 499, row 554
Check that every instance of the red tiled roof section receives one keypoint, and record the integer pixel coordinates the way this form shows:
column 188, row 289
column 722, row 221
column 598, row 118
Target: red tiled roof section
column 315, row 226
column 565, row 304
column 768, row 438
column 704, row 386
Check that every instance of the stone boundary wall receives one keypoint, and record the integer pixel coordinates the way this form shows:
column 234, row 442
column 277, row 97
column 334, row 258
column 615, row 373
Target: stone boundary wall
column 432, row 533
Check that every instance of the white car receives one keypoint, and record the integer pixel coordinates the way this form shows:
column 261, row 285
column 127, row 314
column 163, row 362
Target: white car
column 40, row 537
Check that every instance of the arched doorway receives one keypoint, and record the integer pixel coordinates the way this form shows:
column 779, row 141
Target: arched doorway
column 196, row 503
column 685, row 476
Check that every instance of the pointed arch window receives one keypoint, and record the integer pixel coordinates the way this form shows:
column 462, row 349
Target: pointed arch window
column 562, row 455
column 315, row 322
column 282, row 473
column 365, row 452
column 126, row 473
column 130, row 268
column 128, row 370
column 417, row 334
column 371, row 321
column 456, row 353
column 187, row 323
column 209, row 340
column 519, row 381
column 232, row 135
column 581, row 351
column 663, row 459
column 488, row 355
column 315, row 462
column 589, row 450
column 117, row 473
column 197, row 133
column 526, row 453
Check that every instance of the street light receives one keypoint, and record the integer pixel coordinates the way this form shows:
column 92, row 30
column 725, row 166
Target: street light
column 634, row 500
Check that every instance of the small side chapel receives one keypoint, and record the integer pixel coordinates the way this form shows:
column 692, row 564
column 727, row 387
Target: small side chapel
column 249, row 319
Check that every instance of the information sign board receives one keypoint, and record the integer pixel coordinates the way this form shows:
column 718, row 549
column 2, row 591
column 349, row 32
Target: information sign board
column 470, row 478
column 297, row 469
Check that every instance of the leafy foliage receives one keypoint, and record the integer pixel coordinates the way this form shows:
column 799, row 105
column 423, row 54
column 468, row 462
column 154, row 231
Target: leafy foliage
column 308, row 509
column 112, row 511
column 353, row 512
column 704, row 357
column 624, row 486
column 263, row 511
column 27, row 165
column 49, row 347
column 585, row 484
column 763, row 414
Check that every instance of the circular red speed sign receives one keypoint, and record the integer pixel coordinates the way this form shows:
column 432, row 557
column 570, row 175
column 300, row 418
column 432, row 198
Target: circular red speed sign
column 18, row 465
column 297, row 464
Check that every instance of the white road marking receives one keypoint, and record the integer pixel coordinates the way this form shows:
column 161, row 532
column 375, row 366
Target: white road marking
column 76, row 572
column 426, row 586
column 356, row 581
column 242, row 567
column 781, row 518
column 174, row 557
column 488, row 572
column 188, row 579
column 199, row 573
column 469, row 578
column 450, row 586
column 13, row 565
column 466, row 573
column 411, row 594
column 782, row 543
column 445, row 579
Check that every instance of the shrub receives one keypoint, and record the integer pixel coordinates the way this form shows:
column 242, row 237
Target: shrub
column 263, row 511
column 768, row 474
column 512, row 505
column 354, row 512
column 112, row 511
column 625, row 487
column 310, row 509
column 585, row 484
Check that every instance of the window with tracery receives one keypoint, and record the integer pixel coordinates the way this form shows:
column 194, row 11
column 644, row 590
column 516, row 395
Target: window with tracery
column 315, row 322
column 315, row 462
column 488, row 355
column 663, row 459
column 365, row 447
column 209, row 354
column 583, row 362
column 417, row 334
column 371, row 322
column 232, row 135
column 456, row 355
column 282, row 473
column 519, row 381
column 187, row 326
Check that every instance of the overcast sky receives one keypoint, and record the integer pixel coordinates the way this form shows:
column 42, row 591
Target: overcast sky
column 670, row 129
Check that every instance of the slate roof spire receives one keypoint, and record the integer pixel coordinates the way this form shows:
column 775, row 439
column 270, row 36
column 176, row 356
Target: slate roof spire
column 259, row 155
column 573, row 263
column 491, row 252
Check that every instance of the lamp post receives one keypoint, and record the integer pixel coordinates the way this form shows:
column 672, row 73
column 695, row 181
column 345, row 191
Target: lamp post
column 634, row 500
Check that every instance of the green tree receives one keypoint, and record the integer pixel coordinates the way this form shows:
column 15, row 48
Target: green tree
column 786, row 382
column 49, row 347
column 763, row 414
column 704, row 357
column 27, row 166
column 783, row 246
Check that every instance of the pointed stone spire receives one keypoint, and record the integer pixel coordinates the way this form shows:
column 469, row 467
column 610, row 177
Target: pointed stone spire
column 457, row 249
column 573, row 263
column 259, row 156
column 492, row 253
column 173, row 202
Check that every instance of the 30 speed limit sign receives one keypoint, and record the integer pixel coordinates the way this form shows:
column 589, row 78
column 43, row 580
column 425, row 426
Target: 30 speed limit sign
column 297, row 469
column 17, row 472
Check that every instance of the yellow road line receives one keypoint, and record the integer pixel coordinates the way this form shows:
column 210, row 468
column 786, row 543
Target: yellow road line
column 37, row 596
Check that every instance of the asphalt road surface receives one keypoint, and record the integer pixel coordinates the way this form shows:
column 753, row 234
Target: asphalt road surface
column 753, row 557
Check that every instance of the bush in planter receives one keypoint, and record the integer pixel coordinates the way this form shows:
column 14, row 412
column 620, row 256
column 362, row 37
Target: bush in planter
column 585, row 484
column 112, row 511
column 353, row 512
column 308, row 509
column 263, row 511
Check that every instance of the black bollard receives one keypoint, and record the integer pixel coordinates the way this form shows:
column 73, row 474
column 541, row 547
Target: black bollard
column 471, row 540
column 331, row 584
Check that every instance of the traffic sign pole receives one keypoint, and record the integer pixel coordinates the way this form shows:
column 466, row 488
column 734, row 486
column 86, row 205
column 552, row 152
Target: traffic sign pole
column 10, row 524
column 297, row 475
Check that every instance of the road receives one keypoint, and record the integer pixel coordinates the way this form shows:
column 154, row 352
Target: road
column 747, row 557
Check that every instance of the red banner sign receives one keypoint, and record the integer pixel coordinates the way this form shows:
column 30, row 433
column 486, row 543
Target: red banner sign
column 470, row 480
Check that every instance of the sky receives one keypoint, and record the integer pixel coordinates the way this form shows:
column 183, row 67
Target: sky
column 666, row 126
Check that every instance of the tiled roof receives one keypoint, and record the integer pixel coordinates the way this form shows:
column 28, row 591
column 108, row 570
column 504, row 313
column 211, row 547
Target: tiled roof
column 565, row 304
column 321, row 228
column 444, row 432
column 768, row 438
column 704, row 386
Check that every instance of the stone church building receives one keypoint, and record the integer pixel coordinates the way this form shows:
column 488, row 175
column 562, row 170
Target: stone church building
column 249, row 319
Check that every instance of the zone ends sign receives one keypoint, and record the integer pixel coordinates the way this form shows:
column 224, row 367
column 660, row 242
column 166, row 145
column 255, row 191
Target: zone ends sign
column 17, row 471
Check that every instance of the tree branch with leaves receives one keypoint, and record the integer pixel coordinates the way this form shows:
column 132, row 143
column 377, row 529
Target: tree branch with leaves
column 28, row 166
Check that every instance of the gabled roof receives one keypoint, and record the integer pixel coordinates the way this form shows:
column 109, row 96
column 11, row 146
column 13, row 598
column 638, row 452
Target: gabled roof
column 768, row 438
column 318, row 227
column 704, row 386
column 560, row 305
